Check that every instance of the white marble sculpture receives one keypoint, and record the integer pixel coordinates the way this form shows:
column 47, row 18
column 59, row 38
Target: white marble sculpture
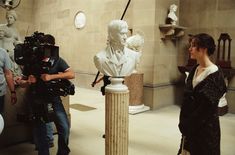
column 10, row 37
column 135, row 43
column 116, row 60
column 11, row 18
column 171, row 15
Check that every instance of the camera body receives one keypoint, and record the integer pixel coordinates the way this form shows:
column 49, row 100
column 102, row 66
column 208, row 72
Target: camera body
column 31, row 55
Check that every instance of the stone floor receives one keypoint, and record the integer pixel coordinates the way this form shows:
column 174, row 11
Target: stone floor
column 150, row 133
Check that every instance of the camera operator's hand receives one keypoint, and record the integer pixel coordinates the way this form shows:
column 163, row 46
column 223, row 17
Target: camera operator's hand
column 13, row 98
column 46, row 77
column 32, row 79
column 21, row 82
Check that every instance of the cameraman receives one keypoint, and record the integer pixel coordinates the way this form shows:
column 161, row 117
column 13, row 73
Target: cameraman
column 59, row 70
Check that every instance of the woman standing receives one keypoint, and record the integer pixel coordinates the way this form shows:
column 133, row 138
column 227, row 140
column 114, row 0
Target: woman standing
column 199, row 120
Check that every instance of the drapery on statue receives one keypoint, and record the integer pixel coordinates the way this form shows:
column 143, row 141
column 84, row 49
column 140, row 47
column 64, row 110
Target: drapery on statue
column 116, row 60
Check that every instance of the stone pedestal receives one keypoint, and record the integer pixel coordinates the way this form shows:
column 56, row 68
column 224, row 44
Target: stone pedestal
column 9, row 135
column 14, row 131
column 135, row 84
column 116, row 118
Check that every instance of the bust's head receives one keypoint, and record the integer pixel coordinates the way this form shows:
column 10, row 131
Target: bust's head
column 11, row 17
column 173, row 7
column 117, row 32
column 135, row 42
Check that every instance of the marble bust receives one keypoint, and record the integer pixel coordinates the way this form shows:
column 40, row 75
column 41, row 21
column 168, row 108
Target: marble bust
column 171, row 15
column 116, row 60
column 135, row 43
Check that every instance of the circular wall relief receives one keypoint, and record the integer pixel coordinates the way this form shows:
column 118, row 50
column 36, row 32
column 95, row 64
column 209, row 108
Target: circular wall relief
column 80, row 20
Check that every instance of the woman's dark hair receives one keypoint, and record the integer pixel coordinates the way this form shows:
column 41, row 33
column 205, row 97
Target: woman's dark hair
column 203, row 40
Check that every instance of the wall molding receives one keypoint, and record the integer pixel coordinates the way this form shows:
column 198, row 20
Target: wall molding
column 160, row 85
column 231, row 88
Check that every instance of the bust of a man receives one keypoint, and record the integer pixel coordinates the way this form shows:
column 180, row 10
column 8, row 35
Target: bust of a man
column 116, row 59
column 171, row 15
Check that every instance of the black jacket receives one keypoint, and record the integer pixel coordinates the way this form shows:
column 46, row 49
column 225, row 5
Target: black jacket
column 199, row 120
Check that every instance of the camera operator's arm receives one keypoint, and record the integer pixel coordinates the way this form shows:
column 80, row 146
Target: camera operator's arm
column 67, row 74
column 23, row 82
column 10, row 83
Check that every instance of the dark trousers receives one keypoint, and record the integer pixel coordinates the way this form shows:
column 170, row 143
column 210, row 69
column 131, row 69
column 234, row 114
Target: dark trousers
column 62, row 126
column 1, row 104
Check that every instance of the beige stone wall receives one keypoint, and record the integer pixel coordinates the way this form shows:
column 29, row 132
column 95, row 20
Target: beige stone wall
column 213, row 17
column 159, row 92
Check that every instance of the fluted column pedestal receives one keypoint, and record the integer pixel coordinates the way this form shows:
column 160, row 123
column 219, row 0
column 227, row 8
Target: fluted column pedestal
column 116, row 118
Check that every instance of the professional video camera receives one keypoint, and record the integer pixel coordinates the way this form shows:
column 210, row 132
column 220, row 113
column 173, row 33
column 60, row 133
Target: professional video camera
column 30, row 55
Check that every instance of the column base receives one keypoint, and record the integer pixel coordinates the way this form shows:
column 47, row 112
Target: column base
column 138, row 109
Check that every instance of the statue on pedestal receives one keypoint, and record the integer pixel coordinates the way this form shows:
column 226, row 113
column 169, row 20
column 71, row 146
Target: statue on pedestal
column 116, row 61
column 171, row 15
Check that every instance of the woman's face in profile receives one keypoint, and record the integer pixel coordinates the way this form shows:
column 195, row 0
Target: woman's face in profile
column 10, row 19
column 193, row 49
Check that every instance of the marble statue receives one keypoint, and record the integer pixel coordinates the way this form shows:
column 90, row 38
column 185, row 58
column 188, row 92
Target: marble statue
column 116, row 60
column 11, row 18
column 9, row 38
column 135, row 43
column 171, row 15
